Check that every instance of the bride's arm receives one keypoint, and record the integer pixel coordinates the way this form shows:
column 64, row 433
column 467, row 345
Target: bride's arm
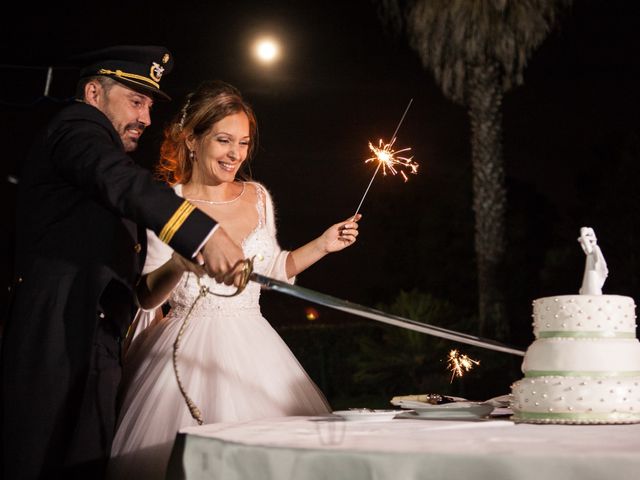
column 155, row 287
column 335, row 238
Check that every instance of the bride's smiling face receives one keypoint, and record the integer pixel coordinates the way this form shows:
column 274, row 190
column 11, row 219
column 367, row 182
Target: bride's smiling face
column 221, row 151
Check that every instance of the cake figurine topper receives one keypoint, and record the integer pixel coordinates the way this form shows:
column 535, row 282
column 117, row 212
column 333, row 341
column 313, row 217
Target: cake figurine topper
column 595, row 269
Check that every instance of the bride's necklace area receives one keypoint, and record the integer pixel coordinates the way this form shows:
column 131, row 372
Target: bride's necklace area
column 223, row 202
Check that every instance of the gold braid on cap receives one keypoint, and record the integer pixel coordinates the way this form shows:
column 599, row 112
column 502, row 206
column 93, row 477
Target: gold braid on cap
column 131, row 76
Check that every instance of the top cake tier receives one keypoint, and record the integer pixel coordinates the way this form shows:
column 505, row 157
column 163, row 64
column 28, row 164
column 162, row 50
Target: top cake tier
column 584, row 316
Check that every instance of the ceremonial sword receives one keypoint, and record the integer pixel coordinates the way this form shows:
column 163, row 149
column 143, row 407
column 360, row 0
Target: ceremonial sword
column 377, row 315
column 246, row 274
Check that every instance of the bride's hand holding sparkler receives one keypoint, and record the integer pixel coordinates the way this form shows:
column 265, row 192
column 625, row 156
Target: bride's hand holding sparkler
column 337, row 237
column 341, row 235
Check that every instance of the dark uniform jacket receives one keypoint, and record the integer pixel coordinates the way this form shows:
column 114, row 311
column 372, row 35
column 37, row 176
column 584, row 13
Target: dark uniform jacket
column 82, row 209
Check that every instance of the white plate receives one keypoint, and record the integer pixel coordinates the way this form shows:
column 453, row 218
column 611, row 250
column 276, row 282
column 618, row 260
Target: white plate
column 367, row 415
column 454, row 410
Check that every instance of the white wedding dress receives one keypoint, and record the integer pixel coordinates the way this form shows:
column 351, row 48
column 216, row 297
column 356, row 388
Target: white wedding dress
column 232, row 363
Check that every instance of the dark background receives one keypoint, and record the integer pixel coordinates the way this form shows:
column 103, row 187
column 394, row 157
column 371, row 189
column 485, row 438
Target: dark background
column 571, row 148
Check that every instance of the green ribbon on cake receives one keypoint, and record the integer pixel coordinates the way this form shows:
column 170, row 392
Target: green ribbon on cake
column 579, row 373
column 578, row 417
column 586, row 334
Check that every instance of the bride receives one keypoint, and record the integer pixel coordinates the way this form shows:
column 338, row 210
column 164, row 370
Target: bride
column 231, row 365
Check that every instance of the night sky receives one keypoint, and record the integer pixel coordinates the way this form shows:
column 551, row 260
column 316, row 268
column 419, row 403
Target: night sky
column 570, row 134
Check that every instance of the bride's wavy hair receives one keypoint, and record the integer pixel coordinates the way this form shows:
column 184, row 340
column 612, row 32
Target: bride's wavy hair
column 211, row 102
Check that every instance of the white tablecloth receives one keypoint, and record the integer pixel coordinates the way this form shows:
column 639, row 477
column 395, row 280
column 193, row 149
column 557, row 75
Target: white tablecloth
column 312, row 448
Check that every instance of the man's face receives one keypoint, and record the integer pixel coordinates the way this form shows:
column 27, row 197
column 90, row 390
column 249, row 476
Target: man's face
column 129, row 112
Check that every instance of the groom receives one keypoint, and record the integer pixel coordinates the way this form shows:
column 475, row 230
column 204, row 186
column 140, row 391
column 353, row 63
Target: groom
column 83, row 206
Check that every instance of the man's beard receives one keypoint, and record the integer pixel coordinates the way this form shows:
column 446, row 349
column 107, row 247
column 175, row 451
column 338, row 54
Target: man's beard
column 131, row 144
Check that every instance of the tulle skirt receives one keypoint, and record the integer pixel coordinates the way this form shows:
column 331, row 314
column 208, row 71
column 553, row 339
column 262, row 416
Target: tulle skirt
column 235, row 367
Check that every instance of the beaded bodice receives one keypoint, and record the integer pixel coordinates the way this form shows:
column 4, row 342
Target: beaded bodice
column 259, row 244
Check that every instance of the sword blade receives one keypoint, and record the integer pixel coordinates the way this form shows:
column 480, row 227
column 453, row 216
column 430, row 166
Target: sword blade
column 379, row 316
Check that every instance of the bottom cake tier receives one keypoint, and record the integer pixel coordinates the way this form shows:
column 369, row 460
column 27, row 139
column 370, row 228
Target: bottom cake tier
column 577, row 400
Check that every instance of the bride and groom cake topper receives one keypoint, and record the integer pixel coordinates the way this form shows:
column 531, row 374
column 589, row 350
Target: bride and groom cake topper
column 595, row 269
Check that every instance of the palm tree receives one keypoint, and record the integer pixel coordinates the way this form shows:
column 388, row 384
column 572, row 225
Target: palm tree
column 477, row 50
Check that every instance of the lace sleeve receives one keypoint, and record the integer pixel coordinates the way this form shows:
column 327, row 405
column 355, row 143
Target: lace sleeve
column 278, row 267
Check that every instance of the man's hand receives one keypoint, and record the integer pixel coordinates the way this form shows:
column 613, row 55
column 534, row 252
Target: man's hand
column 220, row 256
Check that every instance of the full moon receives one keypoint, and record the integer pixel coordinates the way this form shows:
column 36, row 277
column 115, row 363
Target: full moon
column 267, row 50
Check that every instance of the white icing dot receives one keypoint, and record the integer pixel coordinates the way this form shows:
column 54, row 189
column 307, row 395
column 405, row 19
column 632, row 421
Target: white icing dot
column 544, row 395
column 536, row 404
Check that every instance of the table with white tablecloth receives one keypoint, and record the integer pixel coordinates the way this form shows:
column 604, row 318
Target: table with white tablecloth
column 314, row 448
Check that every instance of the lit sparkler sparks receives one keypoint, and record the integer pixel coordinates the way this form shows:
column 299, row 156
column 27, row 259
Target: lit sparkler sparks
column 459, row 364
column 389, row 159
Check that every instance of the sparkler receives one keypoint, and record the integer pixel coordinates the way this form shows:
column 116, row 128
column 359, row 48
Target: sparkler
column 389, row 159
column 459, row 364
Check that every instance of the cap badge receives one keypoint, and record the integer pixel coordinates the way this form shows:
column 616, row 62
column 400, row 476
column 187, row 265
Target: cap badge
column 165, row 58
column 156, row 71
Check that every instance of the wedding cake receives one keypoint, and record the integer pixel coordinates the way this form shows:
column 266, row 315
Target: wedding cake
column 584, row 365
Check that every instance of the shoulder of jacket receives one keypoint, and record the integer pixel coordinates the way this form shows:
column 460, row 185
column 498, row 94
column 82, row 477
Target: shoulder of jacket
column 85, row 118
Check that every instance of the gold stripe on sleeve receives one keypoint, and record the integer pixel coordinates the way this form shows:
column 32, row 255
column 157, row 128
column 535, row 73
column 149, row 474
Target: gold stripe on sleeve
column 176, row 221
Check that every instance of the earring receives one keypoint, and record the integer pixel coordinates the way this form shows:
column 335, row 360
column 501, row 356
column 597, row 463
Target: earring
column 192, row 155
